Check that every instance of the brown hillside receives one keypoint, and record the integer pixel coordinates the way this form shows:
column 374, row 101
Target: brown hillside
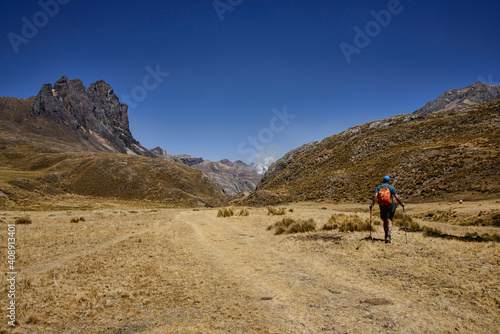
column 31, row 177
column 42, row 162
column 441, row 156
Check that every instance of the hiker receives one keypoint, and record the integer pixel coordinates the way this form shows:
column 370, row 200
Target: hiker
column 385, row 195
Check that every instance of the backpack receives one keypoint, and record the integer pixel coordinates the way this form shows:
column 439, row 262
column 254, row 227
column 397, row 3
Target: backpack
column 384, row 197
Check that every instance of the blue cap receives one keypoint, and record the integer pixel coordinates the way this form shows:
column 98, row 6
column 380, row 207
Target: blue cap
column 387, row 178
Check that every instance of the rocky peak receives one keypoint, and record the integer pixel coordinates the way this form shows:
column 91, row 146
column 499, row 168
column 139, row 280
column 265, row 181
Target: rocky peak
column 95, row 114
column 161, row 153
column 475, row 93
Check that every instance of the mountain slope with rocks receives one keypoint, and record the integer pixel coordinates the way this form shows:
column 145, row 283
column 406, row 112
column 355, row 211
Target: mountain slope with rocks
column 68, row 141
column 94, row 114
column 233, row 177
column 440, row 156
column 476, row 93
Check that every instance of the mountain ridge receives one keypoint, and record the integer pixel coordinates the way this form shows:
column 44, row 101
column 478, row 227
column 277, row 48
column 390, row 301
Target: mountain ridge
column 475, row 93
column 233, row 176
column 445, row 155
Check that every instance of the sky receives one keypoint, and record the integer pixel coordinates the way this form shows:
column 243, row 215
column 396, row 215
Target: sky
column 251, row 79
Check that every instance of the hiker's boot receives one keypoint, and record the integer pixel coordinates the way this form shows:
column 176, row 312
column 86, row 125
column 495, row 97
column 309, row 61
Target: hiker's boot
column 388, row 238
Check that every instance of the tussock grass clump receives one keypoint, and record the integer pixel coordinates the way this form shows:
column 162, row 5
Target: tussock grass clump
column 77, row 220
column 226, row 212
column 495, row 237
column 33, row 320
column 483, row 218
column 442, row 216
column 25, row 220
column 276, row 211
column 347, row 223
column 289, row 225
column 302, row 226
column 244, row 212
column 411, row 225
column 398, row 218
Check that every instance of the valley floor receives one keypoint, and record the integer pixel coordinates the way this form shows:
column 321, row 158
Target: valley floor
column 187, row 271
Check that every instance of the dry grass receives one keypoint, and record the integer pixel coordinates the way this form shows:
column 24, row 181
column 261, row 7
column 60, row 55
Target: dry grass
column 482, row 218
column 226, row 212
column 185, row 271
column 348, row 223
column 289, row 226
column 276, row 211
column 24, row 220
column 244, row 213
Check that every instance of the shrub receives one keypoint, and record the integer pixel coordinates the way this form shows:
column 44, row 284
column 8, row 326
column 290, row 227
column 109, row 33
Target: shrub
column 77, row 220
column 276, row 211
column 290, row 210
column 23, row 220
column 225, row 213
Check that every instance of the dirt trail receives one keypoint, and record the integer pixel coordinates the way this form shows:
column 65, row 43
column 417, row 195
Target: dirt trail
column 299, row 291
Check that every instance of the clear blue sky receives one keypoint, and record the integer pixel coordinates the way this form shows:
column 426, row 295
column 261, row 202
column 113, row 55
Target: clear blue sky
column 227, row 76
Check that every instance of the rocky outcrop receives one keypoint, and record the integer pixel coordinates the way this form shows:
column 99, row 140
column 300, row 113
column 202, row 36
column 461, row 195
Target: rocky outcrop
column 95, row 114
column 161, row 153
column 189, row 160
column 476, row 93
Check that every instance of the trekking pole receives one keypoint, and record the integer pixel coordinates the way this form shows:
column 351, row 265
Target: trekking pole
column 404, row 219
column 370, row 222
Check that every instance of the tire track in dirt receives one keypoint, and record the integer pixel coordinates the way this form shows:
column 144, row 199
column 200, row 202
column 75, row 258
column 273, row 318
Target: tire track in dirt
column 52, row 263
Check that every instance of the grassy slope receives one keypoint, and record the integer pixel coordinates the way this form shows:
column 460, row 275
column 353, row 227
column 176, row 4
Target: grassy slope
column 441, row 156
column 42, row 162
